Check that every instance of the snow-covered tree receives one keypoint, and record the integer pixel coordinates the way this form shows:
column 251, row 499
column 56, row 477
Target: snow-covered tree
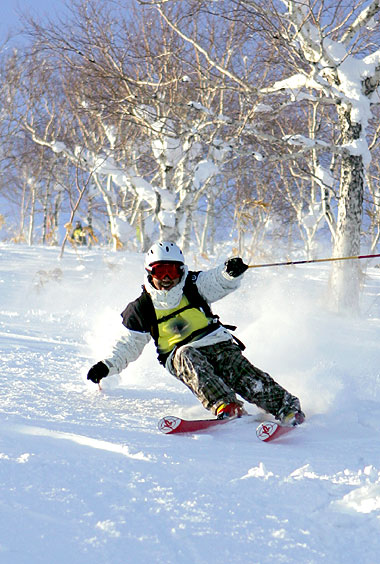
column 340, row 74
column 261, row 114
column 327, row 56
column 131, row 121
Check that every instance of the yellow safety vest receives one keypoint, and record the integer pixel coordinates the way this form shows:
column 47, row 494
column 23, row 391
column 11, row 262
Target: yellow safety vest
column 177, row 327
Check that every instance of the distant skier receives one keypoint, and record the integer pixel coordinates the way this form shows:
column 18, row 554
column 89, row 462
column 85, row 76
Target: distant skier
column 79, row 235
column 191, row 341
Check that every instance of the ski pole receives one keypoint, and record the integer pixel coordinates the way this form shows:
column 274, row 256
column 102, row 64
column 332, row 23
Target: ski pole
column 310, row 261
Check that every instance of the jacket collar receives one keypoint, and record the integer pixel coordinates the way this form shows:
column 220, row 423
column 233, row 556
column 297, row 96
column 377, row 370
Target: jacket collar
column 166, row 299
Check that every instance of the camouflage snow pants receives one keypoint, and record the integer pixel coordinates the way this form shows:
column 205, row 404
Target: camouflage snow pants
column 215, row 373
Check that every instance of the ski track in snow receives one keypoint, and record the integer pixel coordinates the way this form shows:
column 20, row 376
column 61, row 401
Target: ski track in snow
column 86, row 477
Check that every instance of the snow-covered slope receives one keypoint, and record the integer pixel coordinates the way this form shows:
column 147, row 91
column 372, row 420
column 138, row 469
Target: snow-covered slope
column 86, row 477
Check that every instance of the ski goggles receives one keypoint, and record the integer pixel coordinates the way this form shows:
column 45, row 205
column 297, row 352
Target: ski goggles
column 162, row 269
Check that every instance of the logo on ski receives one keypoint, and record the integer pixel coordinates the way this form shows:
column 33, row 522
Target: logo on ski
column 270, row 430
column 169, row 424
column 266, row 430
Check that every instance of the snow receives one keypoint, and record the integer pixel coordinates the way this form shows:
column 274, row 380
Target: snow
column 323, row 177
column 169, row 149
column 294, row 82
column 123, row 229
column 203, row 171
column 58, row 147
column 199, row 106
column 85, row 475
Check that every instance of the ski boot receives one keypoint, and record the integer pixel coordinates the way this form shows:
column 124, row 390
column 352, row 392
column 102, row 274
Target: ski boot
column 290, row 416
column 227, row 410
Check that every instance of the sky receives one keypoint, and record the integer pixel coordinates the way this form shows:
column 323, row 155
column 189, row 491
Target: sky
column 10, row 10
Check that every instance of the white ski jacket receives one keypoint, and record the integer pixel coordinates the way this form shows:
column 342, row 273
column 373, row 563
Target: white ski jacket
column 212, row 284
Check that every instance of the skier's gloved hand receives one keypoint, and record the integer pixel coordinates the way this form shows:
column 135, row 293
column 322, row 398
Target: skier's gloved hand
column 235, row 267
column 97, row 372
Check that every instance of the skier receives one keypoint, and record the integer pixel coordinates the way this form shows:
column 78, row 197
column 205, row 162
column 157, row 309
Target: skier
column 78, row 236
column 192, row 343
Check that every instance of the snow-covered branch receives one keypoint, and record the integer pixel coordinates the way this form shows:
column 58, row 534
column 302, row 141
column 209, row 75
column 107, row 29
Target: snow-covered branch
column 363, row 18
column 307, row 34
column 293, row 83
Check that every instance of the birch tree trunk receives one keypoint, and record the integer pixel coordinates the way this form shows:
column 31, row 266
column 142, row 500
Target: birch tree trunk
column 31, row 215
column 46, row 214
column 208, row 233
column 345, row 276
column 109, row 206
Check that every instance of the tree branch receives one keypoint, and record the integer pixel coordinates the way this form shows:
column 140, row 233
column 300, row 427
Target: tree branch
column 363, row 18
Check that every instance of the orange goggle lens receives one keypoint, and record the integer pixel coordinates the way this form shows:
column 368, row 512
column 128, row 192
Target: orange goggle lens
column 163, row 269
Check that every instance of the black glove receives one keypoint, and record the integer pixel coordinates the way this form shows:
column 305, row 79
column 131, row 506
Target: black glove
column 97, row 372
column 235, row 267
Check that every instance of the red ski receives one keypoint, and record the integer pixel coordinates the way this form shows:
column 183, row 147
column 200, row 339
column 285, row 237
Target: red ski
column 266, row 431
column 171, row 424
column 270, row 430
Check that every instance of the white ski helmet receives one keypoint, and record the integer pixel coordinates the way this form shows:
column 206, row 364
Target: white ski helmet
column 164, row 251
